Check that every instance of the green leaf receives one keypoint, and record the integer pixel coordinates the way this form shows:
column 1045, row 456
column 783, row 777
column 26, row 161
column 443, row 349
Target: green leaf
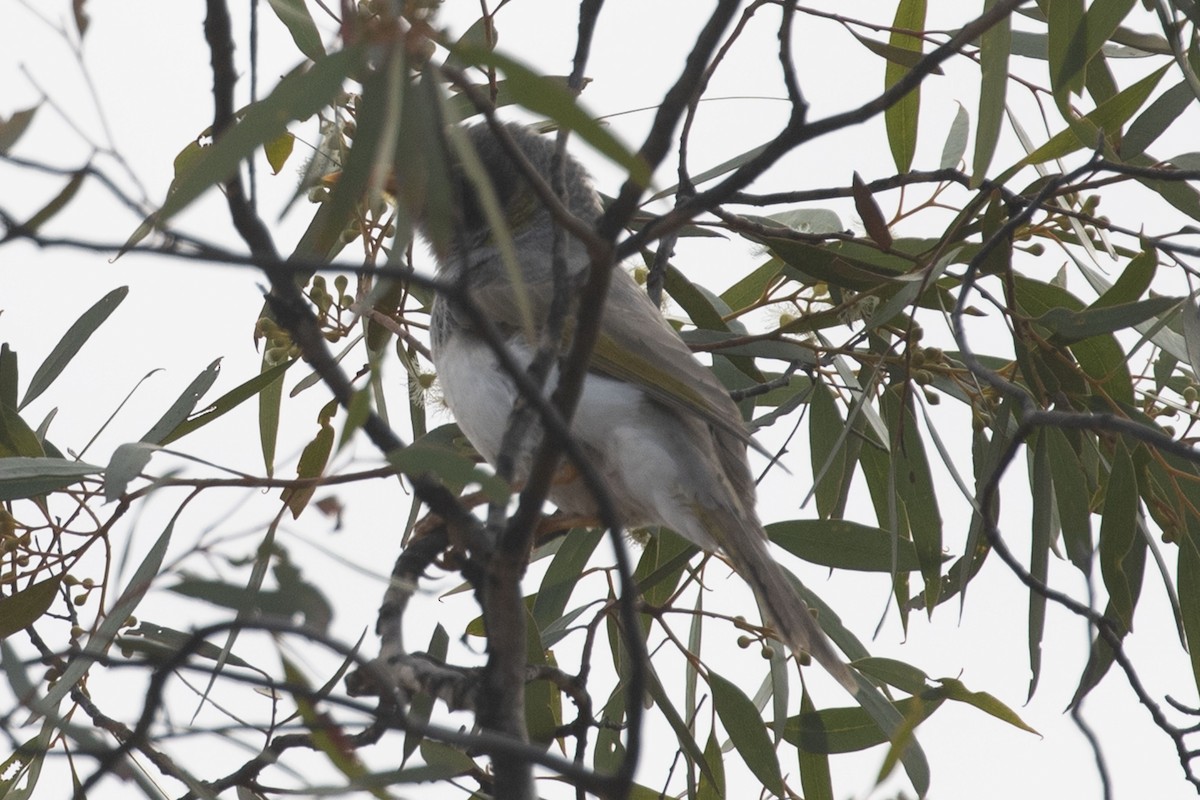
column 1067, row 48
column 901, row 118
column 302, row 93
column 747, row 731
column 850, row 729
column 99, row 641
column 421, row 706
column 994, row 48
column 955, row 690
column 840, row 544
column 12, row 128
column 22, row 477
column 914, row 485
column 956, row 139
column 311, row 465
column 904, row 677
column 753, row 287
column 183, row 405
column 900, row 56
column 25, row 606
column 16, row 437
column 683, row 733
column 436, row 457
column 563, row 574
column 1133, row 281
column 870, row 213
column 294, row 15
column 828, row 446
column 815, row 779
column 1071, row 498
column 56, row 204
column 712, row 788
column 159, row 643
column 326, row 734
column 1188, row 580
column 1158, row 116
column 8, row 375
column 1122, row 551
column 1073, row 326
column 71, row 342
column 1106, row 118
column 270, row 400
column 278, row 150
column 229, row 401
column 126, row 463
column 1119, row 537
column 1041, row 488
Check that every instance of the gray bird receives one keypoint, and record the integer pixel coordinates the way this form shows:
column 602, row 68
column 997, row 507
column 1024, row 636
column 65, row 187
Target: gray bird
column 659, row 427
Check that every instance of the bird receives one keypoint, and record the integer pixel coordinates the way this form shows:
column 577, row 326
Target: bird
column 659, row 427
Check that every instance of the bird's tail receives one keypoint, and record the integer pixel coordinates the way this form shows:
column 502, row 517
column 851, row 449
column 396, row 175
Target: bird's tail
column 745, row 543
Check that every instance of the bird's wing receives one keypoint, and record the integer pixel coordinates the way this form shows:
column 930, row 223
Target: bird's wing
column 635, row 345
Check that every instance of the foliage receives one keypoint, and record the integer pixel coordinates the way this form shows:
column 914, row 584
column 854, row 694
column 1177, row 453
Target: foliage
column 1070, row 339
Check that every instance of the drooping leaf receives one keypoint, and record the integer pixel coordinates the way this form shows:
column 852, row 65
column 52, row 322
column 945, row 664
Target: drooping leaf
column 229, row 401
column 56, row 204
column 902, row 117
column 25, row 606
column 850, row 729
column 1107, row 118
column 956, row 139
column 182, row 408
column 1041, row 489
column 278, row 150
column 870, row 213
column 102, row 638
column 1158, row 116
column 1073, row 326
column 1071, row 498
column 126, row 463
column 712, row 788
column 994, row 48
column 914, row 484
column 747, row 732
column 22, row 476
column 815, row 778
column 294, row 15
column 955, row 690
column 841, row 544
column 311, row 465
column 71, row 342
column 12, row 128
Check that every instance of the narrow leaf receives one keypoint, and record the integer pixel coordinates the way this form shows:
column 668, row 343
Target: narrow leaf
column 841, row 544
column 12, row 128
column 870, row 213
column 1071, row 498
column 994, row 45
column 902, row 117
column 956, row 139
column 183, row 405
column 294, row 15
column 75, row 337
column 747, row 732
column 26, row 606
column 22, row 477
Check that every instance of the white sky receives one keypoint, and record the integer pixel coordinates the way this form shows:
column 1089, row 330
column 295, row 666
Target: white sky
column 149, row 66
